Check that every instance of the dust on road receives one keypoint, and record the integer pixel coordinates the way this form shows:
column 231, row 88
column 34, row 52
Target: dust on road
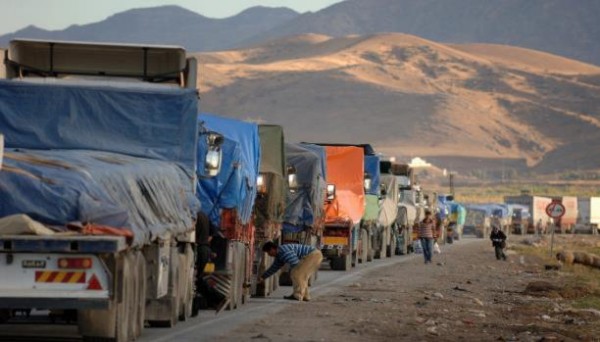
column 466, row 294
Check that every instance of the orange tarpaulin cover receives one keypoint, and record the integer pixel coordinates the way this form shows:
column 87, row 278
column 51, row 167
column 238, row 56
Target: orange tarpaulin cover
column 345, row 169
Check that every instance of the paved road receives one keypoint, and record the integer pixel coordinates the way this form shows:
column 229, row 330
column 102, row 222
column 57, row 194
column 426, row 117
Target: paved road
column 208, row 325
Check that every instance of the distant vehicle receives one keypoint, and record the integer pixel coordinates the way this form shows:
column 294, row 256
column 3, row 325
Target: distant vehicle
column 538, row 220
column 478, row 220
column 588, row 218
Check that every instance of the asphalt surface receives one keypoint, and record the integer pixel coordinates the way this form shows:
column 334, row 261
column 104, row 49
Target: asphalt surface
column 207, row 325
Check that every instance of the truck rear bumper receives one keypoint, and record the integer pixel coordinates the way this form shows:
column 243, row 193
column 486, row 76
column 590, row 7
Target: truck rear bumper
column 53, row 303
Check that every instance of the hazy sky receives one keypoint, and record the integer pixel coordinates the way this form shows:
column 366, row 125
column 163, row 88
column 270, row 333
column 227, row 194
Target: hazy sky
column 59, row 14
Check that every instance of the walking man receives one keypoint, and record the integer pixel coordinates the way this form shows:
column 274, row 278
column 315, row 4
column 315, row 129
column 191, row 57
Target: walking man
column 426, row 235
column 304, row 261
column 499, row 242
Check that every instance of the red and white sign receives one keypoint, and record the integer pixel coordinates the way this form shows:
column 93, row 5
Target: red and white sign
column 555, row 210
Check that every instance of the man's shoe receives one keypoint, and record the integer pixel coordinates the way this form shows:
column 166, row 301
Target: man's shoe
column 290, row 297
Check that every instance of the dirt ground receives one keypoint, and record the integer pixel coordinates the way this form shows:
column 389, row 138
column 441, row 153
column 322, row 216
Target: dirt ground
column 466, row 294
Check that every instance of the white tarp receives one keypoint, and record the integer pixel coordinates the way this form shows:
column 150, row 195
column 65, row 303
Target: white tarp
column 22, row 225
column 389, row 205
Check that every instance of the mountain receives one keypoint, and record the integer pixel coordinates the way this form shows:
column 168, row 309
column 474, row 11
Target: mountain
column 171, row 25
column 492, row 104
column 561, row 27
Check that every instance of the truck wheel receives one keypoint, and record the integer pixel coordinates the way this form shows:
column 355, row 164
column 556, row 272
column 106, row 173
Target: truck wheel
column 285, row 279
column 114, row 323
column 186, row 288
column 140, row 303
column 370, row 254
column 4, row 315
column 341, row 263
column 168, row 307
column 364, row 246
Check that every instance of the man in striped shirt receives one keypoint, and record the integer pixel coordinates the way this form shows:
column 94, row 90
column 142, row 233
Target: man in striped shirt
column 304, row 261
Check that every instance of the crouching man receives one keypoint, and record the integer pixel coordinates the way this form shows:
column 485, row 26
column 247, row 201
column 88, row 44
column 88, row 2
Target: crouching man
column 304, row 260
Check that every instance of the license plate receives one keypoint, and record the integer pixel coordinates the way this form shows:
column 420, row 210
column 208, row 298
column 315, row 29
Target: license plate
column 34, row 264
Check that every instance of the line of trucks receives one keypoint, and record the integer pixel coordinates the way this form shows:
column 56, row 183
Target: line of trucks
column 526, row 214
column 108, row 169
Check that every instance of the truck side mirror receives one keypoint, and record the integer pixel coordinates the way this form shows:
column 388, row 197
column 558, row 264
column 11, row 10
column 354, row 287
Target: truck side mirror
column 292, row 179
column 261, row 184
column 367, row 182
column 330, row 192
column 214, row 154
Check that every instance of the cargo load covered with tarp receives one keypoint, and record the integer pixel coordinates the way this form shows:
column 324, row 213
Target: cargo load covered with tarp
column 235, row 185
column 304, row 206
column 345, row 169
column 147, row 122
column 270, row 203
column 102, row 155
column 389, row 203
column 322, row 153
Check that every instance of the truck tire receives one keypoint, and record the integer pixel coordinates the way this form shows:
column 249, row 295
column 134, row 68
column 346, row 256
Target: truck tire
column 140, row 303
column 168, row 307
column 4, row 315
column 285, row 279
column 187, row 283
column 364, row 246
column 115, row 323
column 341, row 263
column 391, row 248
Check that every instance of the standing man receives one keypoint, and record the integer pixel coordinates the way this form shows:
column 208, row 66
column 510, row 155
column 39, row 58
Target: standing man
column 426, row 235
column 304, row 261
column 499, row 242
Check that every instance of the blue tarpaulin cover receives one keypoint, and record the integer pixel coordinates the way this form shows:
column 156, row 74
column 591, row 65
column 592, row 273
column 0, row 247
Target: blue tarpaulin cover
column 322, row 153
column 138, row 121
column 305, row 205
column 117, row 156
column 372, row 168
column 235, row 186
column 55, row 187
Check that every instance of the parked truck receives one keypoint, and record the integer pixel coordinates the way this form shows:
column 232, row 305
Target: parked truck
column 385, row 244
column 304, row 219
column 269, row 206
column 345, row 205
column 520, row 218
column 478, row 220
column 539, row 220
column 588, row 215
column 97, row 203
column 409, row 204
column 569, row 219
column 230, row 198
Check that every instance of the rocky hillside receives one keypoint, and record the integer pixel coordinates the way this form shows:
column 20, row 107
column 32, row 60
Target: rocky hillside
column 410, row 96
column 561, row 27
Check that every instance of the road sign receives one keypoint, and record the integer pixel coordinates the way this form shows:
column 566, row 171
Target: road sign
column 555, row 210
